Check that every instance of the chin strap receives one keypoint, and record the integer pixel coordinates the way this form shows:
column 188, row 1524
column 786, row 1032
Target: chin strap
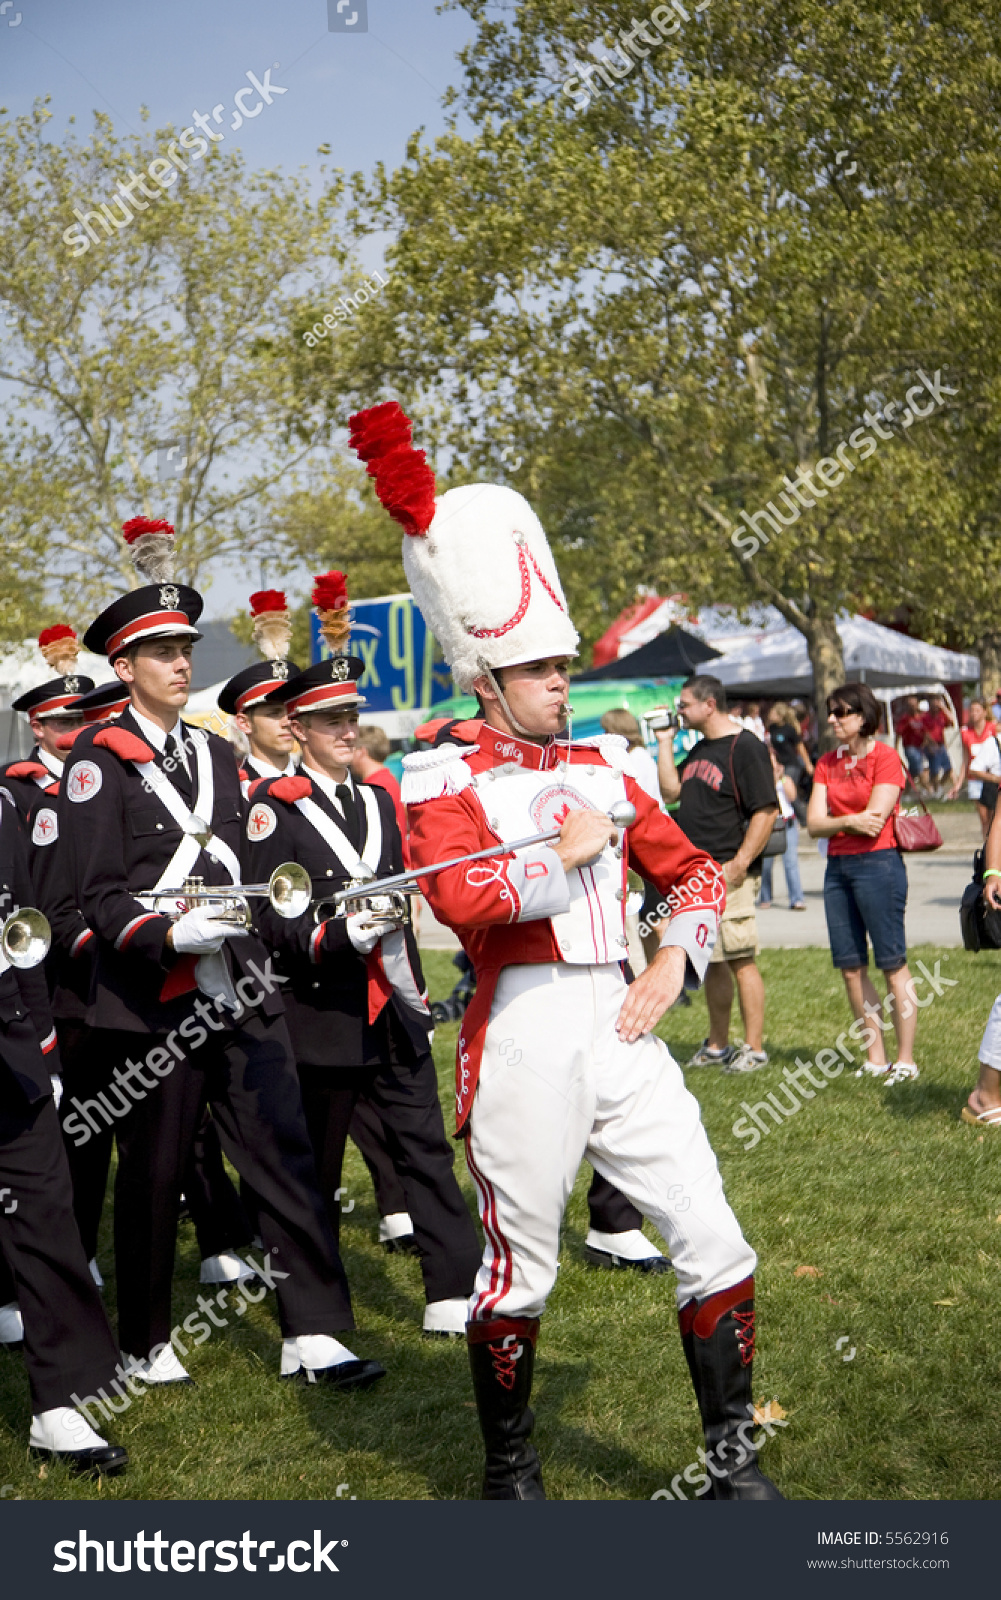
column 519, row 727
column 499, row 692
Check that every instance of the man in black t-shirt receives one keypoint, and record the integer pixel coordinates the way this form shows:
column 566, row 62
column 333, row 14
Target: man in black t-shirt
column 727, row 806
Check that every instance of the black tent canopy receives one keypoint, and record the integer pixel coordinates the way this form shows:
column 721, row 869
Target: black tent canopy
column 672, row 654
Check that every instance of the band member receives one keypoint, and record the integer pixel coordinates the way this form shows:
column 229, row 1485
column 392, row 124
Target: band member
column 55, row 712
column 357, row 1002
column 254, row 698
column 68, row 1347
column 189, row 1010
column 557, row 1059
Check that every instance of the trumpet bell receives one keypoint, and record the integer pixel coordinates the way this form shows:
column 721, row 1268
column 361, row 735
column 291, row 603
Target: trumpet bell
column 290, row 889
column 26, row 937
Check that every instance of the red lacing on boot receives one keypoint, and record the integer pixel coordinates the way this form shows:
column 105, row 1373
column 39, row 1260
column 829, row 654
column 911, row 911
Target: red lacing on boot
column 745, row 1335
column 504, row 1336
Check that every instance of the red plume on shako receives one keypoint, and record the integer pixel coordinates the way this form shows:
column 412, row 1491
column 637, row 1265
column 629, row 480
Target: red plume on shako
column 476, row 558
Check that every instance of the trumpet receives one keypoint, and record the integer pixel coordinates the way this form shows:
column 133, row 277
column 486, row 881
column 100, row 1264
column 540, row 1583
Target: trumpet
column 372, row 893
column 25, row 937
column 289, row 890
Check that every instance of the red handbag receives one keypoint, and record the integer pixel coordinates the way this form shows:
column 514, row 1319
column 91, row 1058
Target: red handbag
column 916, row 834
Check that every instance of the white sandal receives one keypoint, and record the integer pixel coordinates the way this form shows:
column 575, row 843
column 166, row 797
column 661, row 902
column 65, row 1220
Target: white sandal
column 901, row 1071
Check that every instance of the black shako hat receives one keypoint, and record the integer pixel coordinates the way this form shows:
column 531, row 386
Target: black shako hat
column 329, row 686
column 107, row 700
column 263, row 684
column 156, row 611
column 57, row 698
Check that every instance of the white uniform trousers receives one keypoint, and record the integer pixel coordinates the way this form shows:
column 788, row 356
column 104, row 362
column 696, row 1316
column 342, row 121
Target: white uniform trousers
column 557, row 1084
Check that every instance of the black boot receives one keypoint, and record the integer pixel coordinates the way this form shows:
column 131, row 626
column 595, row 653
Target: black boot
column 501, row 1357
column 718, row 1339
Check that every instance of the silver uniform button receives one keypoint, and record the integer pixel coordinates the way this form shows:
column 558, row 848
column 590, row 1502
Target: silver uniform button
column 623, row 941
column 159, row 827
column 330, row 872
column 590, row 772
column 617, row 852
column 620, row 894
column 565, row 944
column 316, row 985
column 494, row 823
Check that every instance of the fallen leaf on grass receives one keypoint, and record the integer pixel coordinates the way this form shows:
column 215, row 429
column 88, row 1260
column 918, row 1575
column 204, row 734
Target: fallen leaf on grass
column 945, row 1302
column 43, row 1472
column 771, row 1411
column 808, row 1272
column 830, row 1301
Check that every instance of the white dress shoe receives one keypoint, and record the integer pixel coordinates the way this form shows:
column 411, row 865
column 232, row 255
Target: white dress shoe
column 95, row 1273
column 166, row 1368
column 445, row 1319
column 319, row 1358
column 65, row 1434
column 630, row 1249
column 397, row 1225
column 11, row 1325
column 225, row 1268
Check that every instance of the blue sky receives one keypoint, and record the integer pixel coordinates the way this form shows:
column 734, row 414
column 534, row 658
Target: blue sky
column 363, row 93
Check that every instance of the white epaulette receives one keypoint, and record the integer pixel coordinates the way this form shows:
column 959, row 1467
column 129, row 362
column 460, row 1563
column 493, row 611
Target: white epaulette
column 430, row 774
column 612, row 747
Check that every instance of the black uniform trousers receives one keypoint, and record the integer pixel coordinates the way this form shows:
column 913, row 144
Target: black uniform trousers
column 404, row 1091
column 609, row 1210
column 221, row 1223
column 246, row 1074
column 68, row 1345
column 368, row 1132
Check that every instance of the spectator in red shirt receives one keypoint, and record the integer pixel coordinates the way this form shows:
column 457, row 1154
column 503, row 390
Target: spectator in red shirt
column 856, row 791
column 913, row 737
column 934, row 721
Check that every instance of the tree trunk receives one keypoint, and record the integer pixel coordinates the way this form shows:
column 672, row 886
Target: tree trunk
column 827, row 658
column 989, row 651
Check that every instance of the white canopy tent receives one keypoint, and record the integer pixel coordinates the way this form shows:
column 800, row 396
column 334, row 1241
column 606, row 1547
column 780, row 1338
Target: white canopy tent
column 767, row 656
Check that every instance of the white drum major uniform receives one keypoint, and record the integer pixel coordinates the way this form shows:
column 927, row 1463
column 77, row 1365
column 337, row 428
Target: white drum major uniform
column 557, row 1059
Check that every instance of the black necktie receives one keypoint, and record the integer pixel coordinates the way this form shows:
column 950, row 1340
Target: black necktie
column 177, row 771
column 350, row 810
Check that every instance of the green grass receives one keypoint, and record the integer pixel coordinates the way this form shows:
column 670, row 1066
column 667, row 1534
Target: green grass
column 883, row 1191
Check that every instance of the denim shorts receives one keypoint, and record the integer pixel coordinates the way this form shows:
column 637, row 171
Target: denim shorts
column 866, row 894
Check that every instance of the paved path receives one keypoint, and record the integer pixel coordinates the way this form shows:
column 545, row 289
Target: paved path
column 935, row 887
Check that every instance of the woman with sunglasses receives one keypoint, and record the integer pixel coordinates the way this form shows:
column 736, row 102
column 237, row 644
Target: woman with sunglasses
column 856, row 791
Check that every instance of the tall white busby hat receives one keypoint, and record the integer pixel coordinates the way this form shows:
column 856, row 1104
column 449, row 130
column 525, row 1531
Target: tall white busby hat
column 477, row 559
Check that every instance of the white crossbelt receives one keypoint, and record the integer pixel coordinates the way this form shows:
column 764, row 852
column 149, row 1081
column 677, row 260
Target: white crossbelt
column 339, row 843
column 184, row 857
column 393, row 946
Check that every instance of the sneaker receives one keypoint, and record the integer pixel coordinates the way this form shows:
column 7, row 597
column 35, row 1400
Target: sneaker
column 746, row 1060
column 901, row 1071
column 704, row 1057
column 873, row 1069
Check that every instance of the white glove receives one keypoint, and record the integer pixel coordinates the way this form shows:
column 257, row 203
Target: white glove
column 57, row 1088
column 365, row 931
column 213, row 979
column 200, row 933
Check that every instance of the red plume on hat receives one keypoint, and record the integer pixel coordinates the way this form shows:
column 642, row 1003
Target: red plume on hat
column 330, row 602
column 272, row 623
column 152, row 546
column 59, row 648
column 404, row 482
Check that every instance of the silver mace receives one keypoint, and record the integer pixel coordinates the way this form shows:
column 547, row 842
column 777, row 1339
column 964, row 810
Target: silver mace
column 622, row 814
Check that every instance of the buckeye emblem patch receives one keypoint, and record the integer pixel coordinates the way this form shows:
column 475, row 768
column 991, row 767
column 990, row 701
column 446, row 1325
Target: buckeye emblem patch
column 71, row 686
column 170, row 597
column 261, row 822
column 279, row 669
column 339, row 670
column 84, row 782
column 46, row 829
column 551, row 808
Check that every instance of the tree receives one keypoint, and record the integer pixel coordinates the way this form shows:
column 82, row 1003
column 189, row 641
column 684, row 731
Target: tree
column 147, row 349
column 673, row 301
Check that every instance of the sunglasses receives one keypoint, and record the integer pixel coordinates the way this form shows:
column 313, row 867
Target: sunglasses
column 841, row 712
